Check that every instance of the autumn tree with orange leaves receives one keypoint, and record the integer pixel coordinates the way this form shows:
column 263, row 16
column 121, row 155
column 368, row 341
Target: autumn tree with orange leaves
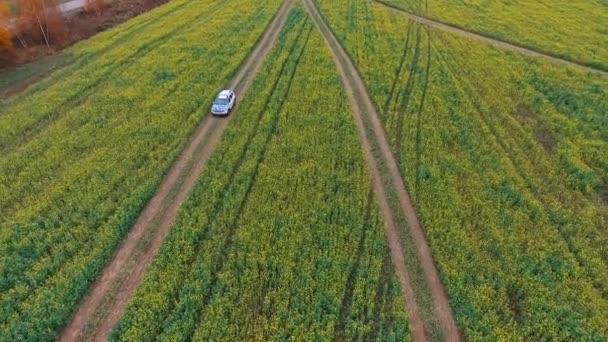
column 40, row 21
column 5, row 34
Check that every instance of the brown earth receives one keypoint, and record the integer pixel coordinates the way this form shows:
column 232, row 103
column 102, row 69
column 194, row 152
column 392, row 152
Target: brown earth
column 362, row 105
column 163, row 207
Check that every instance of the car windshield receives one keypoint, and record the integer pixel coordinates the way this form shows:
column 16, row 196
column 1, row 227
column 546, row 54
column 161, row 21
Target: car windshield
column 221, row 101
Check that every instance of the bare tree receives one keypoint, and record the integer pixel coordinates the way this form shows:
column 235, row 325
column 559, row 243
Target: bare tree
column 40, row 20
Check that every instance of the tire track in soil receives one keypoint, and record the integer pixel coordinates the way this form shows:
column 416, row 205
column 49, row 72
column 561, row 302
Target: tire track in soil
column 218, row 262
column 390, row 227
column 310, row 27
column 420, row 115
column 362, row 105
column 400, row 68
column 218, row 205
column 407, row 95
column 221, row 257
column 153, row 210
column 383, row 287
column 351, row 281
column 424, row 19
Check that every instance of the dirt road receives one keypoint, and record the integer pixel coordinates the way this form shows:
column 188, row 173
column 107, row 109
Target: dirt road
column 109, row 296
column 491, row 40
column 362, row 105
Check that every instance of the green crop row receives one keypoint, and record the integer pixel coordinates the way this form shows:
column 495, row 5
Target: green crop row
column 505, row 157
column 572, row 29
column 281, row 238
column 83, row 151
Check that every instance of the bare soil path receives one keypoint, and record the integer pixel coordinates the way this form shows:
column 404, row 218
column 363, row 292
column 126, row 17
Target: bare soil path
column 491, row 40
column 114, row 291
column 363, row 105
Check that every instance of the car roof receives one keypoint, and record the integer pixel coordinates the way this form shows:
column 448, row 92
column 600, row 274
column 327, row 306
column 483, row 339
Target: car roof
column 225, row 93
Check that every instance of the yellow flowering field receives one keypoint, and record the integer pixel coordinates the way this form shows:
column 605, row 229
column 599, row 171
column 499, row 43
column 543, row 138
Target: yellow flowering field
column 281, row 238
column 572, row 29
column 82, row 151
column 506, row 158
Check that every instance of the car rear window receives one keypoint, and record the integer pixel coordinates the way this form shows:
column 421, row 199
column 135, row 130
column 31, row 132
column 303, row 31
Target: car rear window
column 221, row 101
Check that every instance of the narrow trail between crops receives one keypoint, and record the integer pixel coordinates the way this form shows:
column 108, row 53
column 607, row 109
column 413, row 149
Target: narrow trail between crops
column 362, row 105
column 109, row 295
column 489, row 39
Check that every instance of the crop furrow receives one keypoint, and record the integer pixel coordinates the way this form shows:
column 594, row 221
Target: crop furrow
column 219, row 205
column 407, row 94
column 380, row 299
column 419, row 120
column 222, row 256
column 399, row 69
column 351, row 281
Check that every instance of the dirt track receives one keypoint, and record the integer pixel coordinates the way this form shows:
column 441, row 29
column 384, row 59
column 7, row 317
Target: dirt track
column 123, row 272
column 362, row 105
column 494, row 41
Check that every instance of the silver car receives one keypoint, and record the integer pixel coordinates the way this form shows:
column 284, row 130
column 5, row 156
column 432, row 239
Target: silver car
column 224, row 103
